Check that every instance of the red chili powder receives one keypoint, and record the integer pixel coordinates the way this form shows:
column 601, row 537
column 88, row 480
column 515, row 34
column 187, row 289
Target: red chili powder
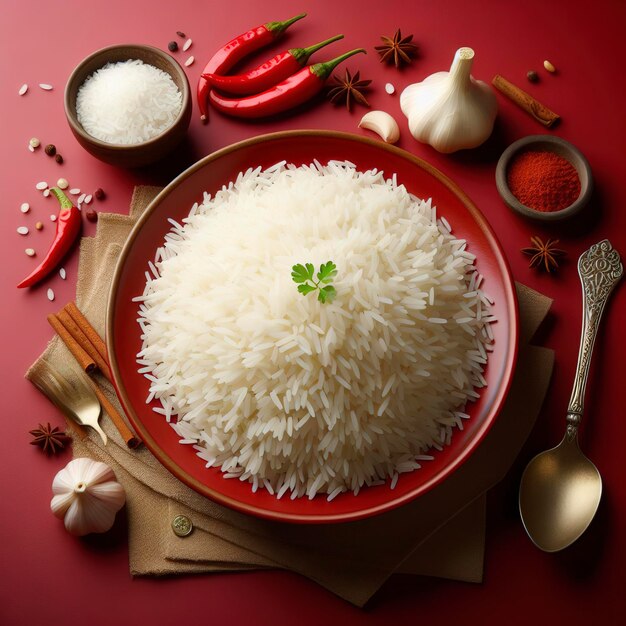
column 543, row 181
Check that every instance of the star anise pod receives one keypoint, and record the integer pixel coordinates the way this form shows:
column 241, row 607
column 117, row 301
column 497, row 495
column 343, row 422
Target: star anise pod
column 49, row 439
column 349, row 88
column 397, row 49
column 544, row 255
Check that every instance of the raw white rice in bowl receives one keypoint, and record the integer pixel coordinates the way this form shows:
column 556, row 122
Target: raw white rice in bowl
column 294, row 395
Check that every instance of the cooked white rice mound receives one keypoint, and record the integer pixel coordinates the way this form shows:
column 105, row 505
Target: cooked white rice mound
column 297, row 396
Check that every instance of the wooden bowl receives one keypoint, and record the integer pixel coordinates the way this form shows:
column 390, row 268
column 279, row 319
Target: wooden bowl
column 129, row 155
column 563, row 149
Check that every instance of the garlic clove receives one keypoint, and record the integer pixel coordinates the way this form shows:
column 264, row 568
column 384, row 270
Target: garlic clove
column 75, row 518
column 111, row 493
column 88, row 515
column 99, row 473
column 383, row 124
column 93, row 516
column 61, row 503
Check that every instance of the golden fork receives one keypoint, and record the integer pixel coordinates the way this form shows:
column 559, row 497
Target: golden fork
column 74, row 397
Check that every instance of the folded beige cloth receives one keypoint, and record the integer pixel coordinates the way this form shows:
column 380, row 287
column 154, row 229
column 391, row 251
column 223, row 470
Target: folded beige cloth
column 440, row 534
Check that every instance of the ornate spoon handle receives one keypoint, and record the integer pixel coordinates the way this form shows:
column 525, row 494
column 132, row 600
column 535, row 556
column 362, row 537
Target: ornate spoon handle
column 600, row 269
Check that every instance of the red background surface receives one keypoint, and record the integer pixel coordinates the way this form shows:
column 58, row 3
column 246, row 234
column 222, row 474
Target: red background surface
column 50, row 577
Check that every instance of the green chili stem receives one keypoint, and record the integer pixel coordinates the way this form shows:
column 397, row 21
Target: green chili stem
column 302, row 54
column 276, row 28
column 64, row 201
column 324, row 70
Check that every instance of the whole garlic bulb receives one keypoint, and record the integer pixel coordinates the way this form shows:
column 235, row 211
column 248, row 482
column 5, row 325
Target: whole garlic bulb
column 87, row 496
column 451, row 110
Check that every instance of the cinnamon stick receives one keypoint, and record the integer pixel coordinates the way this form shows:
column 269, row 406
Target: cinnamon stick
column 84, row 360
column 83, row 341
column 131, row 440
column 525, row 101
column 82, row 348
column 87, row 329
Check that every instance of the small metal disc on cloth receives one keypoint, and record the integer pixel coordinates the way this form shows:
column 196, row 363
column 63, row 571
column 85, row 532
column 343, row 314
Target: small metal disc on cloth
column 182, row 526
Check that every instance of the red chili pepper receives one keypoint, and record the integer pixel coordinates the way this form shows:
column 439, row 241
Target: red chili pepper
column 68, row 228
column 235, row 50
column 298, row 88
column 269, row 73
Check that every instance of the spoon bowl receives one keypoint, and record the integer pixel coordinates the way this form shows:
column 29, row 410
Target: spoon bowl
column 559, row 496
column 561, row 488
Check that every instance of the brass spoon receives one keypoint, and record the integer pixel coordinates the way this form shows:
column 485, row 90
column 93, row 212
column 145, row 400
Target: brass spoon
column 561, row 488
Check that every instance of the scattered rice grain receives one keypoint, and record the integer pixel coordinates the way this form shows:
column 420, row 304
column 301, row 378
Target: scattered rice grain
column 24, row 207
column 189, row 61
column 41, row 185
column 46, row 86
column 62, row 273
column 50, row 295
column 30, row 251
column 187, row 45
column 62, row 183
column 23, row 89
column 22, row 230
column 549, row 66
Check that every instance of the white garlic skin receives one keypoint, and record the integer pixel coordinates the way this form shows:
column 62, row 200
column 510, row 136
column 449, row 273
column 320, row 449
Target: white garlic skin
column 451, row 110
column 383, row 124
column 86, row 496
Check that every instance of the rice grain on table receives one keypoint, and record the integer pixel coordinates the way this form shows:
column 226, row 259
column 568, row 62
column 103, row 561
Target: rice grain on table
column 292, row 395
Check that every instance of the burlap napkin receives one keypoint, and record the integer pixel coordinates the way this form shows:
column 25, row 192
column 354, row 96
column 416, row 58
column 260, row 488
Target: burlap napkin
column 440, row 534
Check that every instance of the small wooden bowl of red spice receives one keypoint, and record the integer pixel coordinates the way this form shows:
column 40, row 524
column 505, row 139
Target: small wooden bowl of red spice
column 544, row 177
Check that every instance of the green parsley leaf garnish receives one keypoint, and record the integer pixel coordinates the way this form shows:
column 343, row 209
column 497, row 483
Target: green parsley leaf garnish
column 303, row 276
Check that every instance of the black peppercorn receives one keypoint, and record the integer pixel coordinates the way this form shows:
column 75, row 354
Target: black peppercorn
column 91, row 215
column 181, row 34
column 58, row 158
column 172, row 46
column 99, row 193
column 532, row 76
column 50, row 149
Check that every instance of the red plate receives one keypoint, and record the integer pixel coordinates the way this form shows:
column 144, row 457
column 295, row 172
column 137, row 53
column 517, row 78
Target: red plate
column 299, row 147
